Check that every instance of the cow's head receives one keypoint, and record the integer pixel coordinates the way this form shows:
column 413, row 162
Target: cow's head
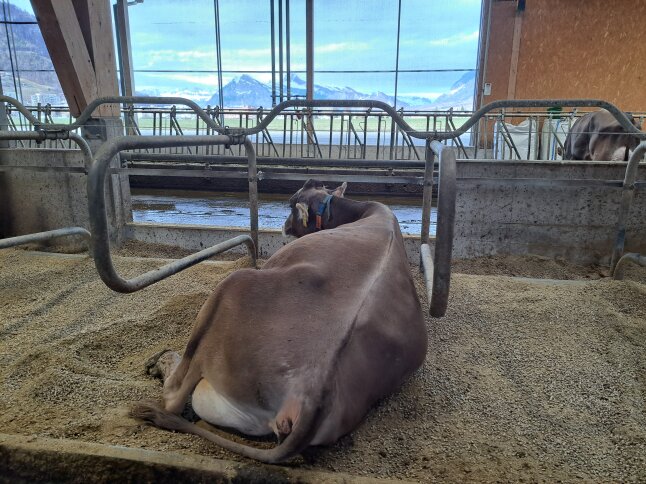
column 305, row 205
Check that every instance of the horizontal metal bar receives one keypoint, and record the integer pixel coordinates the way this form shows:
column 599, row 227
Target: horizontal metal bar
column 116, row 283
column 546, row 182
column 44, row 236
column 60, row 169
column 317, row 71
column 174, row 172
column 396, row 180
column 215, row 159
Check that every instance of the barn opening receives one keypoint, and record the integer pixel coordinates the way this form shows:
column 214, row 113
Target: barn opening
column 520, row 210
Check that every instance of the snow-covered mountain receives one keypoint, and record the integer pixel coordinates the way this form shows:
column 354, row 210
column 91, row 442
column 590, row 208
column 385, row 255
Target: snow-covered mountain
column 246, row 91
column 460, row 96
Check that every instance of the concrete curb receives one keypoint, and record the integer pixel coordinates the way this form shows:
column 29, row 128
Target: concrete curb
column 40, row 459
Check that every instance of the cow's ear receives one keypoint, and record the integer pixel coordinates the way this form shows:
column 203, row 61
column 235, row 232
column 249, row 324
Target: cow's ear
column 302, row 213
column 339, row 191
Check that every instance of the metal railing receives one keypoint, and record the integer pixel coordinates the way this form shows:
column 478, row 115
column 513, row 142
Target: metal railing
column 304, row 133
column 99, row 218
column 437, row 285
column 337, row 134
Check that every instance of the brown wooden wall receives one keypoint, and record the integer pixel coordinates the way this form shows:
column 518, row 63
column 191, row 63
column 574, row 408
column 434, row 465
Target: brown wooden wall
column 569, row 49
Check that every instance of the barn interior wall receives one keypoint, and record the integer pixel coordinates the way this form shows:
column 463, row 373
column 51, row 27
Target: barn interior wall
column 570, row 49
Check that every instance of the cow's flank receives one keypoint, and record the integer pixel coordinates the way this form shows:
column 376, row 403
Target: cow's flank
column 599, row 136
column 304, row 346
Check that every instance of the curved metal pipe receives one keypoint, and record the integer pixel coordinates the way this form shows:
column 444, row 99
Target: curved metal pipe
column 627, row 195
column 446, row 194
column 44, row 236
column 364, row 104
column 632, row 257
column 87, row 112
column 99, row 220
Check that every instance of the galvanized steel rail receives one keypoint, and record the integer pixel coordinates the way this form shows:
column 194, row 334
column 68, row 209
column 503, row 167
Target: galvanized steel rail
column 437, row 273
column 302, row 103
column 99, row 221
column 627, row 194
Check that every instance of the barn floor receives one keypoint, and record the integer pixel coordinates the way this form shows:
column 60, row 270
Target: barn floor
column 526, row 379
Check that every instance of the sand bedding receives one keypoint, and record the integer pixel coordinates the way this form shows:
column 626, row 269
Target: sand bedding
column 525, row 379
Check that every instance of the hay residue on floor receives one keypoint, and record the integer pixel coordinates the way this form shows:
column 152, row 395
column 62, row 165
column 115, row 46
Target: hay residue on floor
column 525, row 379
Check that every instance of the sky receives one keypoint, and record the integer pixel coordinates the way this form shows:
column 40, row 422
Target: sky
column 349, row 35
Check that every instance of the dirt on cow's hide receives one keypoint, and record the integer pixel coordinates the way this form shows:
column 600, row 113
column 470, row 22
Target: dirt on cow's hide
column 525, row 379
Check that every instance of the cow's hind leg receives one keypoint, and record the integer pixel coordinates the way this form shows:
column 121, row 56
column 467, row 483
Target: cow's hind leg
column 178, row 377
column 163, row 364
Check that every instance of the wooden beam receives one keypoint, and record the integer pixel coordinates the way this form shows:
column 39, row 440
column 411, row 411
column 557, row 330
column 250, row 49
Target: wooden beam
column 105, row 64
column 66, row 45
column 78, row 35
column 515, row 52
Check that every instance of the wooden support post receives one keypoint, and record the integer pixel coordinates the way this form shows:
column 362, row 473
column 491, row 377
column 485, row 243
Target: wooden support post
column 78, row 35
column 515, row 51
column 125, row 52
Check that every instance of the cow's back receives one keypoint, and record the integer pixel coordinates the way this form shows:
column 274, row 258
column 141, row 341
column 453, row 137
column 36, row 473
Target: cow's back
column 338, row 307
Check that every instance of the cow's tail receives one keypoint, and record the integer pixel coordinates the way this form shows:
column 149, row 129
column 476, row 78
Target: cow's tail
column 298, row 439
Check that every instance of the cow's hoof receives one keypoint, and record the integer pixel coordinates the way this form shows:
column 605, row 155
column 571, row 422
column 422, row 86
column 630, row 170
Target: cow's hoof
column 152, row 368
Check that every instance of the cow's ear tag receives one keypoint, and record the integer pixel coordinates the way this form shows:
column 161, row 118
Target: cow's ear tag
column 302, row 212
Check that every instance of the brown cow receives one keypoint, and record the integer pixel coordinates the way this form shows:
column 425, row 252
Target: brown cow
column 304, row 346
column 599, row 136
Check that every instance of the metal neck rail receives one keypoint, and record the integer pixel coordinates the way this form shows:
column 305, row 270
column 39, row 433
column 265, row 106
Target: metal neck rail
column 441, row 268
column 99, row 218
column 302, row 103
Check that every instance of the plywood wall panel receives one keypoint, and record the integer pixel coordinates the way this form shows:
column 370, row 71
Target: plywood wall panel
column 572, row 49
column 500, row 42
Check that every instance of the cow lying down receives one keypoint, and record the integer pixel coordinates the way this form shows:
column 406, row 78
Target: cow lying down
column 304, row 346
column 598, row 136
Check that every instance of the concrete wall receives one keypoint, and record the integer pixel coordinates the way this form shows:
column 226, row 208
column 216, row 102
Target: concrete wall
column 494, row 215
column 573, row 222
column 34, row 201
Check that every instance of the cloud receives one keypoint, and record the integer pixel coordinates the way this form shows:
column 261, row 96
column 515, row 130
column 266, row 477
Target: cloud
column 161, row 58
column 426, row 94
column 198, row 78
column 340, row 47
column 457, row 39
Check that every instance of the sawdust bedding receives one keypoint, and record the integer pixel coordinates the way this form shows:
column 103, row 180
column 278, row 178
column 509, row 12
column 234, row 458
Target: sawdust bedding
column 524, row 380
